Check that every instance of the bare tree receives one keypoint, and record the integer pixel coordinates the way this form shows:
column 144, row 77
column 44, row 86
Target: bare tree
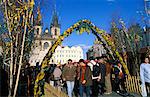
column 18, row 15
column 11, row 43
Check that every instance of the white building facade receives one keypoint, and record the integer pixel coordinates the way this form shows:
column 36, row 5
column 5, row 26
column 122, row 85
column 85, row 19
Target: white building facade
column 63, row 53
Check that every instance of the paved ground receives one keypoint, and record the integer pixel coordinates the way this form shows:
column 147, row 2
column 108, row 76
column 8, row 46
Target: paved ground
column 117, row 95
column 114, row 94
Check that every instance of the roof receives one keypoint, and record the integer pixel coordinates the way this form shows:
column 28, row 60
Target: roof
column 38, row 20
column 46, row 34
column 55, row 22
column 70, row 47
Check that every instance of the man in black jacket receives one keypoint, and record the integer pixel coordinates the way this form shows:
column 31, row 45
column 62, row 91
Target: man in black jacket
column 102, row 74
column 95, row 76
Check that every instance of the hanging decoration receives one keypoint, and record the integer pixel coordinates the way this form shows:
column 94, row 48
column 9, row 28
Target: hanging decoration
column 81, row 26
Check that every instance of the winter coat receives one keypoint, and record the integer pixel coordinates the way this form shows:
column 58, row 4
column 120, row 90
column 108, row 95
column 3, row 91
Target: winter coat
column 87, row 76
column 69, row 73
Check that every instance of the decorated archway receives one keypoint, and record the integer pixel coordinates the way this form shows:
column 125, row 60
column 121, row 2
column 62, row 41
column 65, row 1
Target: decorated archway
column 81, row 26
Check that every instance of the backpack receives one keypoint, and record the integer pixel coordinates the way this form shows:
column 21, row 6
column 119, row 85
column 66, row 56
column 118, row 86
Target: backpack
column 96, row 70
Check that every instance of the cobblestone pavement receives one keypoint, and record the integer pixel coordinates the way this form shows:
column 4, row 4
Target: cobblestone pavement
column 114, row 94
column 117, row 95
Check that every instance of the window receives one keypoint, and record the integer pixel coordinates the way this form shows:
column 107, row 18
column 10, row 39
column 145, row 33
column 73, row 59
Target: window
column 46, row 45
column 37, row 31
column 36, row 45
column 55, row 32
column 52, row 42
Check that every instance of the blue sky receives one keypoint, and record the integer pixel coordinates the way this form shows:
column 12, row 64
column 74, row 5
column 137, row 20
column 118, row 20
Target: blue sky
column 100, row 12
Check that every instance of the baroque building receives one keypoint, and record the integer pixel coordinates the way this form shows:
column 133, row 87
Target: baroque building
column 63, row 53
column 96, row 50
column 43, row 40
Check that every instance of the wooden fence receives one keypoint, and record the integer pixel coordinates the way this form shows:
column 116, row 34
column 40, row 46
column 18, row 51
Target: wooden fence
column 132, row 84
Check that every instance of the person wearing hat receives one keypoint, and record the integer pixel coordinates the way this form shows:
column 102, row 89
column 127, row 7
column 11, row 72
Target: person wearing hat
column 68, row 75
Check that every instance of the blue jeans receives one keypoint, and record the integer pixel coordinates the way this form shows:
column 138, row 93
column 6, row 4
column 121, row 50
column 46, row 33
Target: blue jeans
column 86, row 88
column 70, row 86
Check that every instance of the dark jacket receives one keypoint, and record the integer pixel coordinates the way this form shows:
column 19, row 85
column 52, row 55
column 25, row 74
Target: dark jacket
column 88, row 76
column 68, row 73
column 103, row 72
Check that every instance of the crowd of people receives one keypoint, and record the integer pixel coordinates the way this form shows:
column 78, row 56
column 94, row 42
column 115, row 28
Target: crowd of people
column 88, row 77
column 95, row 77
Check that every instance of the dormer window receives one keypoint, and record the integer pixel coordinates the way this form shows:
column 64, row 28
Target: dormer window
column 46, row 45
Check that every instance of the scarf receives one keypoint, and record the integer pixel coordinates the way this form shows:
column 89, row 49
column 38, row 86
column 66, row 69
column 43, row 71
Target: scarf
column 83, row 69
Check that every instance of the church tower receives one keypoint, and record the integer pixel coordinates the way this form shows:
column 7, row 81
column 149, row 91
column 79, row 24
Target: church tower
column 55, row 26
column 38, row 25
column 38, row 29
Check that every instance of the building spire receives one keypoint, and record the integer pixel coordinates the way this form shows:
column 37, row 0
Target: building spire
column 55, row 22
column 39, row 17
